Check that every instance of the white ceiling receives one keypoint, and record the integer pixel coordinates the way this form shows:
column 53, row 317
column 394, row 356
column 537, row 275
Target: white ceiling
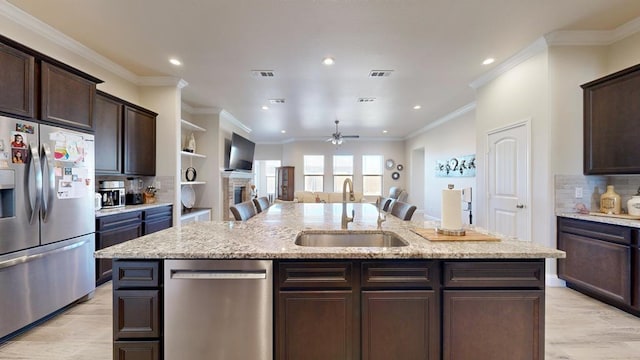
column 435, row 48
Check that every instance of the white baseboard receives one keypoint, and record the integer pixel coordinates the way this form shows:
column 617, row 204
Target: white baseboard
column 554, row 281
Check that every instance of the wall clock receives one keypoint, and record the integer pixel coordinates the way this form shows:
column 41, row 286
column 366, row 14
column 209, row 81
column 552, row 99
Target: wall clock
column 389, row 164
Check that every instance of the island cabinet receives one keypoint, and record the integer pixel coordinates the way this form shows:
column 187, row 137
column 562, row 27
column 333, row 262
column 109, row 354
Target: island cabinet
column 137, row 324
column 125, row 137
column 611, row 120
column 493, row 310
column 599, row 260
column 357, row 310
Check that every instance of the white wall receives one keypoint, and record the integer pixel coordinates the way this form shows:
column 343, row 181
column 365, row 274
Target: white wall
column 293, row 155
column 456, row 137
column 624, row 53
column 268, row 152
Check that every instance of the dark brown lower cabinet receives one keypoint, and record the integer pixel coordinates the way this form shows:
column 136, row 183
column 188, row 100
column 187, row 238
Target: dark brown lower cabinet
column 137, row 305
column 493, row 324
column 112, row 230
column 136, row 350
column 600, row 261
column 636, row 283
column 316, row 325
column 156, row 219
column 399, row 325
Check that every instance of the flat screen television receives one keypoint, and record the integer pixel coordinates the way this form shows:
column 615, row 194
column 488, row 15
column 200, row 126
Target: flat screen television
column 241, row 153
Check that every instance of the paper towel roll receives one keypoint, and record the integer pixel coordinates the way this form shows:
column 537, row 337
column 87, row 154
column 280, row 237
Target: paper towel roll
column 451, row 210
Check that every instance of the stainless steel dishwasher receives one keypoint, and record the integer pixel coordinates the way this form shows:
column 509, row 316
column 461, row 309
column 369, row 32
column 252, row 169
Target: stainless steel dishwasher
column 218, row 309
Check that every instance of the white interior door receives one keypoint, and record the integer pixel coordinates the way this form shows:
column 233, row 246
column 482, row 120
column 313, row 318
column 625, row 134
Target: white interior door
column 508, row 180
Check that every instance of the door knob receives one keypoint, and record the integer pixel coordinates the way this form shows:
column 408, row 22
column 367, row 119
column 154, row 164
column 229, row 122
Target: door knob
column 520, row 206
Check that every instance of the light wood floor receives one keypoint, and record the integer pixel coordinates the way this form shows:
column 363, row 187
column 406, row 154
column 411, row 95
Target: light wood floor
column 577, row 328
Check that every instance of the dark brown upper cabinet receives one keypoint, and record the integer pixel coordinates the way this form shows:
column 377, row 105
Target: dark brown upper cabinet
column 125, row 137
column 139, row 141
column 66, row 98
column 611, row 123
column 108, row 141
column 17, row 81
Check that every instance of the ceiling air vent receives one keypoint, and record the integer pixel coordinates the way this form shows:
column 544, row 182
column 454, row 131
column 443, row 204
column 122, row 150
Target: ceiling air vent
column 366, row 99
column 276, row 101
column 380, row 73
column 263, row 73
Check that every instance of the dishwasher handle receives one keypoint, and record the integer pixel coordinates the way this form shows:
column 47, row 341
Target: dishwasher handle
column 218, row 275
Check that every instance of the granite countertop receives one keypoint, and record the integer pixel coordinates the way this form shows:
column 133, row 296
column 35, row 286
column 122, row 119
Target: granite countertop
column 602, row 219
column 271, row 235
column 127, row 208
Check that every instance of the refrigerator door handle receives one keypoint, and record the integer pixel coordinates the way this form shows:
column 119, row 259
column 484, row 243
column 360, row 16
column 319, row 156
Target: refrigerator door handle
column 50, row 184
column 33, row 171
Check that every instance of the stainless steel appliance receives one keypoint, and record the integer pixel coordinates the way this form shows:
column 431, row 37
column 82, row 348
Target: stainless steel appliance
column 113, row 193
column 218, row 309
column 47, row 221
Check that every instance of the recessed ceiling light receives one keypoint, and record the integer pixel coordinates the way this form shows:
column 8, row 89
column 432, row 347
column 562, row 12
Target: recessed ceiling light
column 417, row 107
column 328, row 61
column 283, row 131
column 488, row 61
column 265, row 107
column 175, row 61
column 384, row 131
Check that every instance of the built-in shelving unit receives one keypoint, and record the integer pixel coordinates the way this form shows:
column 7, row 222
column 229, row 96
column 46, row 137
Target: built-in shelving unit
column 194, row 160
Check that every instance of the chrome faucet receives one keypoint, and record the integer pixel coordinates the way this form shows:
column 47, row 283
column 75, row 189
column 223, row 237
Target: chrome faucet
column 381, row 219
column 345, row 219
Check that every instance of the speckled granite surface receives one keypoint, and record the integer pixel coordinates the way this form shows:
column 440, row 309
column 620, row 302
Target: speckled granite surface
column 128, row 208
column 271, row 235
column 602, row 219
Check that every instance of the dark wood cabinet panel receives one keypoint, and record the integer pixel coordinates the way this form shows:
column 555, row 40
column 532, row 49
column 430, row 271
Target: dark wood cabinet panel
column 599, row 266
column 400, row 325
column 108, row 114
column 17, row 81
column 285, row 184
column 503, row 274
column 611, row 122
column 66, row 98
column 139, row 142
column 315, row 275
column 493, row 324
column 636, row 277
column 316, row 325
column 136, row 274
column 136, row 350
column 156, row 219
column 607, row 232
column 402, row 275
column 136, row 314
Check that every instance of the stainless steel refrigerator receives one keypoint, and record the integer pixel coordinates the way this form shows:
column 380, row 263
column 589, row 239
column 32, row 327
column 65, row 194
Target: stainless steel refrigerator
column 47, row 220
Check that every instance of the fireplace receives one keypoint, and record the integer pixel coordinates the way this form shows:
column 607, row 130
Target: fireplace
column 235, row 189
column 238, row 194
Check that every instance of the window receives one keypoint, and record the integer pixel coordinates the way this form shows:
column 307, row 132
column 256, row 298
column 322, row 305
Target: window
column 313, row 173
column 372, row 171
column 342, row 169
column 270, row 174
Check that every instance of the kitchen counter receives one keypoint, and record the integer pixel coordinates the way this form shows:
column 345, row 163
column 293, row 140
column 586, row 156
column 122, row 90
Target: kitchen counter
column 128, row 208
column 271, row 235
column 602, row 219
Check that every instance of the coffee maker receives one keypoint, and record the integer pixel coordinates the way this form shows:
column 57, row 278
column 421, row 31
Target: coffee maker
column 134, row 191
column 112, row 193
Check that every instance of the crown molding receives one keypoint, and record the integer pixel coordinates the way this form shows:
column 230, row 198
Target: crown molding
column 20, row 17
column 523, row 55
column 450, row 116
column 206, row 110
column 593, row 38
column 225, row 115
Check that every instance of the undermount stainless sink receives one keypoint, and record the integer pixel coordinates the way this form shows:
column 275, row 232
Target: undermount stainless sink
column 350, row 239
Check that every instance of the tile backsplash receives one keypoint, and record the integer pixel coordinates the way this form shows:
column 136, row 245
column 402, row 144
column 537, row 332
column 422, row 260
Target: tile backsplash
column 592, row 187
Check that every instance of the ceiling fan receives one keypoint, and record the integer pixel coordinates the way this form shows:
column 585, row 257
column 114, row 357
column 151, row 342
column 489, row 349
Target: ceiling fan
column 337, row 137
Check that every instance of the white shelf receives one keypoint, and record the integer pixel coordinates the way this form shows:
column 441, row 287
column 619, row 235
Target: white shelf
column 191, row 126
column 193, row 183
column 186, row 153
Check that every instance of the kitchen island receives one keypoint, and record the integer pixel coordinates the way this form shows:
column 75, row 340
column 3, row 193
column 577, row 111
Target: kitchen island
column 427, row 300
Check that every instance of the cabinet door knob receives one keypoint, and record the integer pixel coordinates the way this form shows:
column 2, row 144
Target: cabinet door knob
column 520, row 206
